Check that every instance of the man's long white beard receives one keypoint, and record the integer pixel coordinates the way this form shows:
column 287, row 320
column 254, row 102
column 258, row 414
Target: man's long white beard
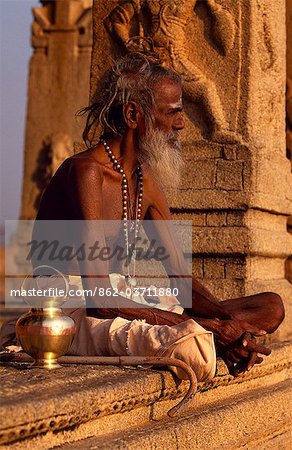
column 161, row 152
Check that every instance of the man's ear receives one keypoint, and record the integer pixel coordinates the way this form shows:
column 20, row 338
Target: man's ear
column 132, row 114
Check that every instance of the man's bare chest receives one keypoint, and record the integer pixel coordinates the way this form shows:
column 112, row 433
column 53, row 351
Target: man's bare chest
column 113, row 199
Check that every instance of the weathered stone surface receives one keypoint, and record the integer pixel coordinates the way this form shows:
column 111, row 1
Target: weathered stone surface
column 202, row 151
column 198, row 219
column 220, row 240
column 214, row 268
column 225, row 288
column 108, row 402
column 268, row 234
column 263, row 268
column 235, row 219
column 216, row 219
column 207, row 199
column 235, row 268
column 236, row 412
column 200, row 175
column 229, row 175
column 197, row 265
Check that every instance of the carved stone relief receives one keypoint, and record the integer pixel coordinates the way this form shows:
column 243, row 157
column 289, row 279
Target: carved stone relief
column 84, row 24
column 42, row 21
column 46, row 20
column 161, row 25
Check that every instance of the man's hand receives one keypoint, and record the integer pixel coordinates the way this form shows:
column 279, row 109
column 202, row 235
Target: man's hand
column 229, row 332
column 241, row 354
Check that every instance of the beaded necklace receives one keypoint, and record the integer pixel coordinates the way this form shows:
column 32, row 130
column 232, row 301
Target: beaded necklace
column 131, row 218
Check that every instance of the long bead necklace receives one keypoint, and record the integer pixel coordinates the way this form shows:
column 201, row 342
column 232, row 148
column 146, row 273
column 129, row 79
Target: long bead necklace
column 131, row 218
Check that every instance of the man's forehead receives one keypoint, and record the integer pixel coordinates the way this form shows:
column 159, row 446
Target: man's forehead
column 168, row 92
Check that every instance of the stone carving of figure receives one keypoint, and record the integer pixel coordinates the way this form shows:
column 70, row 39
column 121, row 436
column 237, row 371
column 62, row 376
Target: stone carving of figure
column 168, row 20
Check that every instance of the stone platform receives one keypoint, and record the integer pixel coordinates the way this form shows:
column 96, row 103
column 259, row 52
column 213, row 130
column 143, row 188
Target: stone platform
column 90, row 407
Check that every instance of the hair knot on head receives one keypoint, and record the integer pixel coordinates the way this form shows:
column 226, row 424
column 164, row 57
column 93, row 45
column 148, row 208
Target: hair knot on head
column 130, row 79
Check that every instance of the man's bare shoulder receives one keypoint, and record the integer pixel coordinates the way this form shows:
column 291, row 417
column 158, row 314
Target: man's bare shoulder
column 82, row 164
column 83, row 159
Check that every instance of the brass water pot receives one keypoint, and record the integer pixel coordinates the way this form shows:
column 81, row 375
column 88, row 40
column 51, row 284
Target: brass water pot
column 46, row 332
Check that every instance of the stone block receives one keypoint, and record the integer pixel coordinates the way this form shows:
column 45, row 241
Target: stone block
column 224, row 289
column 197, row 267
column 121, row 407
column 229, row 152
column 243, row 152
column 268, row 234
column 263, row 268
column 200, row 150
column 198, row 219
column 272, row 181
column 235, row 219
column 221, row 241
column 217, row 219
column 235, row 268
column 266, row 113
column 199, row 175
column 270, row 202
column 229, row 175
column 214, row 268
column 193, row 199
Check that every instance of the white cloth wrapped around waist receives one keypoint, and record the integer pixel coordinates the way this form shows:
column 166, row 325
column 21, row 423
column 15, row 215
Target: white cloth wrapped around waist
column 165, row 302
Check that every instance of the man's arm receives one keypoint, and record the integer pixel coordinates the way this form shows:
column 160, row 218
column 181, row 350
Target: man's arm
column 204, row 304
column 84, row 190
column 235, row 338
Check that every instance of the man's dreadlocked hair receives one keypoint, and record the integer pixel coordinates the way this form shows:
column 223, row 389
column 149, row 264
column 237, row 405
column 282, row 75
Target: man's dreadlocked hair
column 130, row 79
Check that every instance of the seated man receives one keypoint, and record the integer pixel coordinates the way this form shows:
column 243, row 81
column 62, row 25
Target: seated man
column 140, row 109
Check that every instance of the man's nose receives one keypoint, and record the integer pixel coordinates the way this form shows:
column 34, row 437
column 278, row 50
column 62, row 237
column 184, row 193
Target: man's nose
column 179, row 123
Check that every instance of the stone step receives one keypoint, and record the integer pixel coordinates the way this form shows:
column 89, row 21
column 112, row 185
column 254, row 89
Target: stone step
column 259, row 418
column 42, row 409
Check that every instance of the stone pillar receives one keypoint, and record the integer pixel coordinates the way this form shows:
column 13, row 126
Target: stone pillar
column 270, row 201
column 58, row 88
column 237, row 180
column 289, row 113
